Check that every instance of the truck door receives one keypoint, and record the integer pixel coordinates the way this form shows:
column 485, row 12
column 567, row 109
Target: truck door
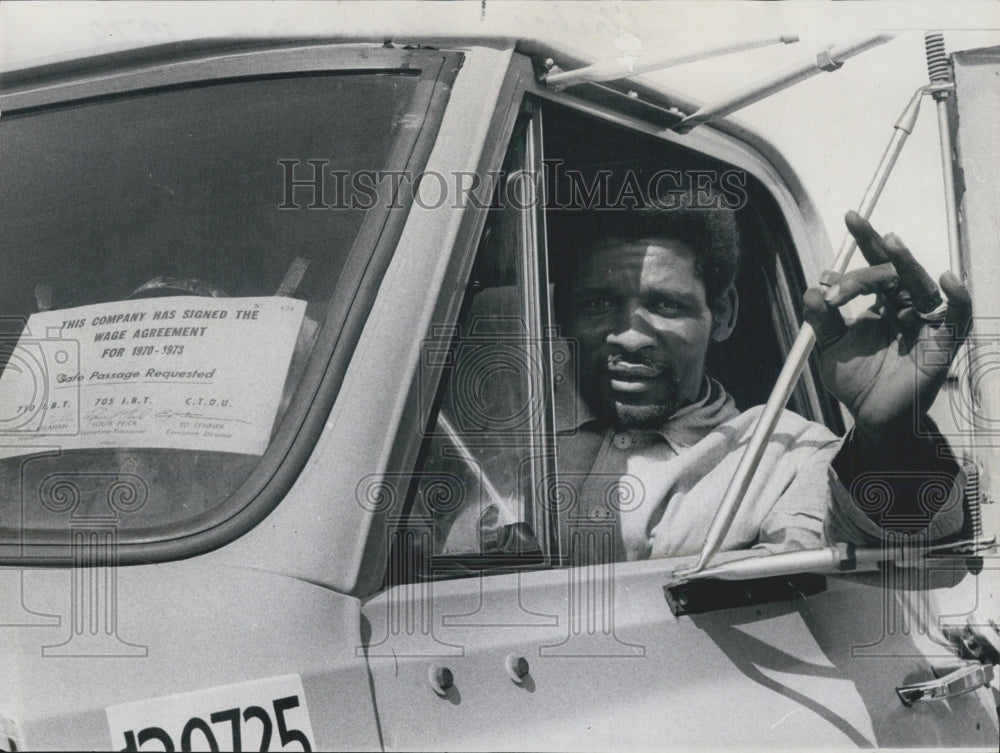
column 488, row 635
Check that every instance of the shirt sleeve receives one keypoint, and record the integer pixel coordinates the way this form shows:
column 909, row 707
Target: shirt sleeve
column 797, row 519
column 840, row 494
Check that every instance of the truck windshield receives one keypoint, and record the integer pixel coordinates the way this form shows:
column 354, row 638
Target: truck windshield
column 168, row 259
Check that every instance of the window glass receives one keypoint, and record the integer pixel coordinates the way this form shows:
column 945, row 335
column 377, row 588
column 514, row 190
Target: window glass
column 474, row 492
column 168, row 259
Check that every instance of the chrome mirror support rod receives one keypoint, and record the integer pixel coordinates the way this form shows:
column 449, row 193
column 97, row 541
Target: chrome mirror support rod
column 799, row 353
column 631, row 65
column 838, row 558
column 941, row 78
column 828, row 59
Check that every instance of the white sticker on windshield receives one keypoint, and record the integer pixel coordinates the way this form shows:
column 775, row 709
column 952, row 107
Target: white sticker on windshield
column 185, row 372
column 265, row 714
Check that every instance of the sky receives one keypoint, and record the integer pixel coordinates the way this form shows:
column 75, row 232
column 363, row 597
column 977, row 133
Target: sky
column 832, row 128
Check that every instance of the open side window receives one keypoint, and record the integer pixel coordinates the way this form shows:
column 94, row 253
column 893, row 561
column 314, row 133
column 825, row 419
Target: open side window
column 495, row 487
column 592, row 165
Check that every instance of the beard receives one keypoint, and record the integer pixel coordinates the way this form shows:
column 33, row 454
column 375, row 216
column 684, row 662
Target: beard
column 645, row 410
column 642, row 416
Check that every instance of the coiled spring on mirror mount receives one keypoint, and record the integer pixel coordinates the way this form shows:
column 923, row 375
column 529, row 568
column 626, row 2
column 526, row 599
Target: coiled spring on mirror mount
column 937, row 59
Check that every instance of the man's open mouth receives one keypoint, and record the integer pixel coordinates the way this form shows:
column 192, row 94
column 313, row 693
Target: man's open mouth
column 632, row 377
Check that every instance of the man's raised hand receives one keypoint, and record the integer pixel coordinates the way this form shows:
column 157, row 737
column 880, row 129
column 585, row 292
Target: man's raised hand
column 872, row 364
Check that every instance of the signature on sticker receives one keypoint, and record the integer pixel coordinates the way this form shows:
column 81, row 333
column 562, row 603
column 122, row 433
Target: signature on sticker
column 125, row 414
column 164, row 415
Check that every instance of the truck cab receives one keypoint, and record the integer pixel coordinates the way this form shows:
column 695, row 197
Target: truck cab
column 273, row 307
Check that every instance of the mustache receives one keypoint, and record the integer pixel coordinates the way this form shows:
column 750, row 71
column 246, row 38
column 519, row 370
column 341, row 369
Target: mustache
column 635, row 365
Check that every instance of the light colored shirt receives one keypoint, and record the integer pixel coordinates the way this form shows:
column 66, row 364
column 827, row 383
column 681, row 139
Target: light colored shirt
column 639, row 494
column 671, row 481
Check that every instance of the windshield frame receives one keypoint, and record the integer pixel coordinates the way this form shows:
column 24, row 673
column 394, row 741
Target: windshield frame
column 367, row 260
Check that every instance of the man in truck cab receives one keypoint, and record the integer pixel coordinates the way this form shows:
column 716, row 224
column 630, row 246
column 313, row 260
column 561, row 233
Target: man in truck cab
column 647, row 441
column 644, row 293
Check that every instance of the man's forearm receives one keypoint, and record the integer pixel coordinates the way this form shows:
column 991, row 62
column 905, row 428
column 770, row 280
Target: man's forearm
column 900, row 478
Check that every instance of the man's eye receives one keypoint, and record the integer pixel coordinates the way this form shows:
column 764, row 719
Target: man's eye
column 597, row 305
column 666, row 306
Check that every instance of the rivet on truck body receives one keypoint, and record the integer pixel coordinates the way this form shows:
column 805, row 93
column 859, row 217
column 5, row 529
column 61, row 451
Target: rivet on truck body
column 517, row 667
column 441, row 679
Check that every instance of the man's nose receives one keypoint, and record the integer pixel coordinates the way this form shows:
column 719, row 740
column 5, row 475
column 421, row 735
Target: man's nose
column 633, row 332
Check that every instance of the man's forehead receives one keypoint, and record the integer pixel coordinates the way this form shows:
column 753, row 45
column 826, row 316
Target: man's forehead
column 644, row 255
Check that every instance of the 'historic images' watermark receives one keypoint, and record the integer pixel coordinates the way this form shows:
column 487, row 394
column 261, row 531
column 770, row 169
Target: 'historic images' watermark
column 314, row 184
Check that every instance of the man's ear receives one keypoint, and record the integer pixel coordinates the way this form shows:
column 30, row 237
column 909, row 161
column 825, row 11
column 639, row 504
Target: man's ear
column 724, row 310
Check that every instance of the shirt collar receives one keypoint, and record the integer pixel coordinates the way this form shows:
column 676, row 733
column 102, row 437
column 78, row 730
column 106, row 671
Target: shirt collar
column 689, row 425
